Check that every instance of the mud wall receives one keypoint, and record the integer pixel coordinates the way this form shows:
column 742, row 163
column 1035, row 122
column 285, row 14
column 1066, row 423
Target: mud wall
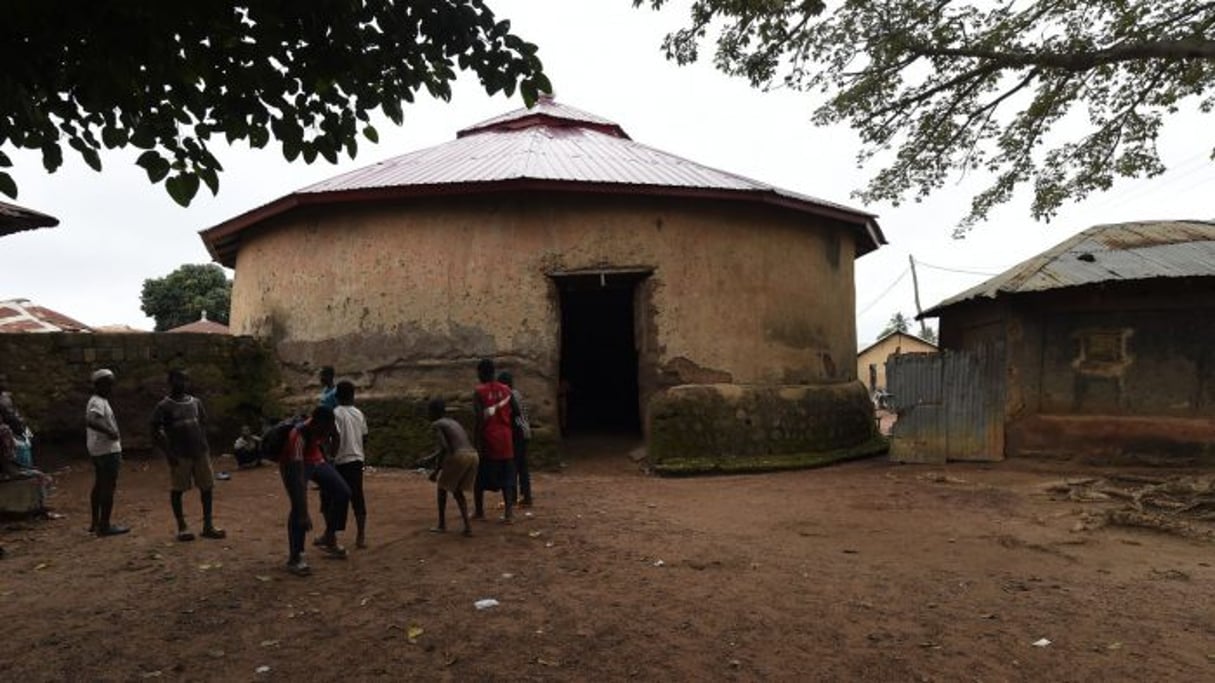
column 732, row 428
column 1118, row 371
column 403, row 298
column 48, row 375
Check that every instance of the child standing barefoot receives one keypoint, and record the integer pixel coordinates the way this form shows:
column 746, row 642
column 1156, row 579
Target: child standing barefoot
column 455, row 463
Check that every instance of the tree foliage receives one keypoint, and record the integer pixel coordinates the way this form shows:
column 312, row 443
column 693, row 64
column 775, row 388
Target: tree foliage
column 181, row 296
column 938, row 88
column 897, row 323
column 170, row 77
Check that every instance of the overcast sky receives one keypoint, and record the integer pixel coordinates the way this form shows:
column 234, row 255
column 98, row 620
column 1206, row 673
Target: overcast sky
column 604, row 57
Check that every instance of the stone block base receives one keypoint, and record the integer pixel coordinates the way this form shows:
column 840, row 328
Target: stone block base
column 707, row 428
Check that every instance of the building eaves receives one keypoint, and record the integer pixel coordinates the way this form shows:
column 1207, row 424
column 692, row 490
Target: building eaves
column 1105, row 253
column 540, row 156
column 15, row 218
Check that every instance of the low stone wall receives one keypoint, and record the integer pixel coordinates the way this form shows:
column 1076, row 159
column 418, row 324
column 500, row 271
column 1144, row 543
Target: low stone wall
column 734, row 428
column 399, row 432
column 48, row 374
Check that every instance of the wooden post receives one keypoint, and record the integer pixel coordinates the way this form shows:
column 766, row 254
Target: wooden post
column 915, row 285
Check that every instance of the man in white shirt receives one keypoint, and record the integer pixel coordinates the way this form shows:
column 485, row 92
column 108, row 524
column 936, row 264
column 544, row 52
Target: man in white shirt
column 352, row 430
column 105, row 450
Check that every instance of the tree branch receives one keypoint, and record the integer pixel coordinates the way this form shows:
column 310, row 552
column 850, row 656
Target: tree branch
column 1189, row 48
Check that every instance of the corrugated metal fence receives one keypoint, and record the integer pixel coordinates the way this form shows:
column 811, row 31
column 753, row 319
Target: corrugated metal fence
column 950, row 405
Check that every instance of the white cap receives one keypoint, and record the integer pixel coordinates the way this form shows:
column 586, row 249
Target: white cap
column 103, row 374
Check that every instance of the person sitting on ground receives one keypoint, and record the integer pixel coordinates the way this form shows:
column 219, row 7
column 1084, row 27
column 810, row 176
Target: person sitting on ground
column 301, row 460
column 105, row 450
column 23, row 437
column 247, row 449
column 521, row 432
column 455, row 463
column 179, row 428
column 493, row 439
column 352, row 433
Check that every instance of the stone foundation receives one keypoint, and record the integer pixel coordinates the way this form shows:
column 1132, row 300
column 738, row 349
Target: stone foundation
column 1114, row 439
column 707, row 428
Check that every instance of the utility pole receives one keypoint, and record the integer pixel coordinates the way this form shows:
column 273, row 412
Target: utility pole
column 915, row 284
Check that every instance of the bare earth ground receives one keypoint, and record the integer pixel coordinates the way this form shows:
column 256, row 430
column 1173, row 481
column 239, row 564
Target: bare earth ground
column 866, row 571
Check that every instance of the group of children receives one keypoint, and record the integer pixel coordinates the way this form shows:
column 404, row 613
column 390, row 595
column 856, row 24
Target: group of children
column 494, row 459
column 326, row 448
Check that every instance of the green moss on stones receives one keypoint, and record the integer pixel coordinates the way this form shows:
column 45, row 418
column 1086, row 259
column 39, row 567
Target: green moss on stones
column 709, row 464
column 734, row 428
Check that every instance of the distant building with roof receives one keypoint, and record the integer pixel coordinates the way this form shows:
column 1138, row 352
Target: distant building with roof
column 15, row 218
column 1107, row 342
column 871, row 360
column 602, row 272
column 20, row 315
column 201, row 326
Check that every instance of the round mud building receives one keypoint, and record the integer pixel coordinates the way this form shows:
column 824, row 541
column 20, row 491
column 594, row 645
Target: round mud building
column 628, row 290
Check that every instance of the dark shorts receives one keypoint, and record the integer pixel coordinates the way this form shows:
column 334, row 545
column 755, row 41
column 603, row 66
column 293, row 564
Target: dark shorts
column 496, row 475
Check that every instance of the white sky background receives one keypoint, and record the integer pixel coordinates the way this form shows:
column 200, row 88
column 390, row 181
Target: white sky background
column 602, row 56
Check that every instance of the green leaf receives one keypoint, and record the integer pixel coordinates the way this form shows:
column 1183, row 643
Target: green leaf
column 52, row 157
column 370, row 133
column 156, row 166
column 182, row 188
column 291, row 150
column 5, row 162
column 7, row 185
column 113, row 137
column 91, row 158
column 258, row 137
column 211, row 178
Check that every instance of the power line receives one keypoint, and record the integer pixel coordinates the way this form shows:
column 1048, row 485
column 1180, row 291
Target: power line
column 886, row 291
column 955, row 270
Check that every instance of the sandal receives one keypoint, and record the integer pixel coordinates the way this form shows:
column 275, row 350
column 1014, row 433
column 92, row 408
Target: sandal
column 334, row 551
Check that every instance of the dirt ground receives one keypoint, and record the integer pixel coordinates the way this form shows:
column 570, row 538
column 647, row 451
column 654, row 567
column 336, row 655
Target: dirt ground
column 865, row 571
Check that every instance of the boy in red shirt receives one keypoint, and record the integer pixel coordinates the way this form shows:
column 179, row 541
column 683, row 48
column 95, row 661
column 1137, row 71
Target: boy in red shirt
column 302, row 460
column 494, row 440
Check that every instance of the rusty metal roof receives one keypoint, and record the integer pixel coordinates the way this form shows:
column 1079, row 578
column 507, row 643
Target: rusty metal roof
column 1104, row 253
column 19, row 315
column 550, row 147
column 15, row 218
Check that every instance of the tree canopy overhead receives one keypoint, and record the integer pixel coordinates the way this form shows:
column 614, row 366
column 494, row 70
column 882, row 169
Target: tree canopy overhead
column 938, row 88
column 170, row 77
column 181, row 297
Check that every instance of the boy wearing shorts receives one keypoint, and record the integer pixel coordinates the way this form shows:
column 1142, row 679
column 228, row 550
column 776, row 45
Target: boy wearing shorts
column 179, row 429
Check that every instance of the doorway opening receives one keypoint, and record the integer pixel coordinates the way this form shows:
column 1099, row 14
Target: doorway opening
column 598, row 387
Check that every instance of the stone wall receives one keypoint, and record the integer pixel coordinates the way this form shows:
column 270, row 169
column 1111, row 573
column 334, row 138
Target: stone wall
column 734, row 428
column 48, row 374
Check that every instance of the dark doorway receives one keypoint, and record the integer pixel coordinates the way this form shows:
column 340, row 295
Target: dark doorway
column 598, row 384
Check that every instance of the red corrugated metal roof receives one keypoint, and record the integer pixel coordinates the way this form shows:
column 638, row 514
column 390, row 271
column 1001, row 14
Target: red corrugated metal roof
column 548, row 147
column 15, row 218
column 19, row 315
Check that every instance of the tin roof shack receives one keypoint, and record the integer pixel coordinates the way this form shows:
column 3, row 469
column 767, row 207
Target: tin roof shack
column 580, row 259
column 871, row 360
column 1108, row 342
